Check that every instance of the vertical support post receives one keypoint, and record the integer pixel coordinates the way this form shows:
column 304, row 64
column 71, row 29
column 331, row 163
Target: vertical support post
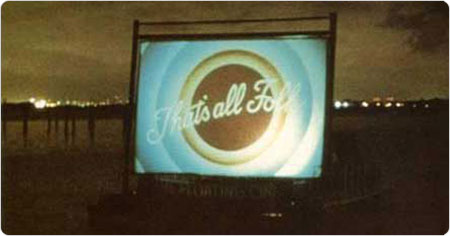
column 131, row 108
column 124, row 122
column 56, row 113
column 3, row 128
column 66, row 125
column 3, row 121
column 91, row 126
column 74, row 126
column 331, row 51
column 49, row 123
column 26, row 114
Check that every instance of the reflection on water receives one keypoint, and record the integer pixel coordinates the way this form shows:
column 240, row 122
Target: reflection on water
column 53, row 181
column 47, row 186
column 108, row 135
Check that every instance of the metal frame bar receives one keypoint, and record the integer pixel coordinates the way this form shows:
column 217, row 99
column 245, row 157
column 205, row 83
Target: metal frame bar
column 131, row 111
column 231, row 36
column 131, row 114
column 331, row 54
column 244, row 21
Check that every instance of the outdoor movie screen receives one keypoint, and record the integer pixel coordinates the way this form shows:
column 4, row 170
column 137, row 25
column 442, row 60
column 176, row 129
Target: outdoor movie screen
column 232, row 107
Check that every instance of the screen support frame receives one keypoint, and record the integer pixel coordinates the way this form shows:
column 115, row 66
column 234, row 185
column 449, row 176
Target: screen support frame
column 130, row 111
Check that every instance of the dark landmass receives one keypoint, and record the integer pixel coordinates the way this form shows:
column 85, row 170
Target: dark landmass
column 26, row 110
column 389, row 175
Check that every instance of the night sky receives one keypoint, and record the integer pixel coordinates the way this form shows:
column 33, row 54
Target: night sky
column 82, row 51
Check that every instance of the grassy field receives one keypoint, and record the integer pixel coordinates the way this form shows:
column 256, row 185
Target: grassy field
column 414, row 152
column 47, row 186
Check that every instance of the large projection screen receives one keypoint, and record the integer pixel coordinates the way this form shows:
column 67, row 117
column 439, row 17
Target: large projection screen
column 231, row 107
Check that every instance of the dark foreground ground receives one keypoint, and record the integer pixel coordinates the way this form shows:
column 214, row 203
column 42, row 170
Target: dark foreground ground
column 48, row 186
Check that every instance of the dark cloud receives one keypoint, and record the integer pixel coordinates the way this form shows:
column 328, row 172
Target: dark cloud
column 63, row 75
column 426, row 21
column 81, row 50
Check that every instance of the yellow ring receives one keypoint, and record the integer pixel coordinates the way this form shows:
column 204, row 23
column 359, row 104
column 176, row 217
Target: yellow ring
column 263, row 67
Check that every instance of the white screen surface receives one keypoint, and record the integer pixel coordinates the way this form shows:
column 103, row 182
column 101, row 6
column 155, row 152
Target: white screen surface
column 251, row 107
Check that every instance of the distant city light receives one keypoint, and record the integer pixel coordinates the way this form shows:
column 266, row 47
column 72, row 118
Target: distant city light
column 387, row 102
column 50, row 104
column 376, row 99
column 390, row 99
column 399, row 104
column 337, row 104
column 273, row 214
column 40, row 104
column 345, row 104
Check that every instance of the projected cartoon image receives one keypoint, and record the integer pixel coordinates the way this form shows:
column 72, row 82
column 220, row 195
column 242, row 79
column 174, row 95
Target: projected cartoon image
column 232, row 107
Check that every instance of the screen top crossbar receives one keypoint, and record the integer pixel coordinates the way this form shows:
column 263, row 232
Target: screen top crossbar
column 242, row 21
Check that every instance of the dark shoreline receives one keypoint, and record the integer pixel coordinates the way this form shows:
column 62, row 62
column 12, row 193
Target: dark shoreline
column 47, row 187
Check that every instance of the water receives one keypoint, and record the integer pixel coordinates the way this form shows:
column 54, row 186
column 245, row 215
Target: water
column 47, row 186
